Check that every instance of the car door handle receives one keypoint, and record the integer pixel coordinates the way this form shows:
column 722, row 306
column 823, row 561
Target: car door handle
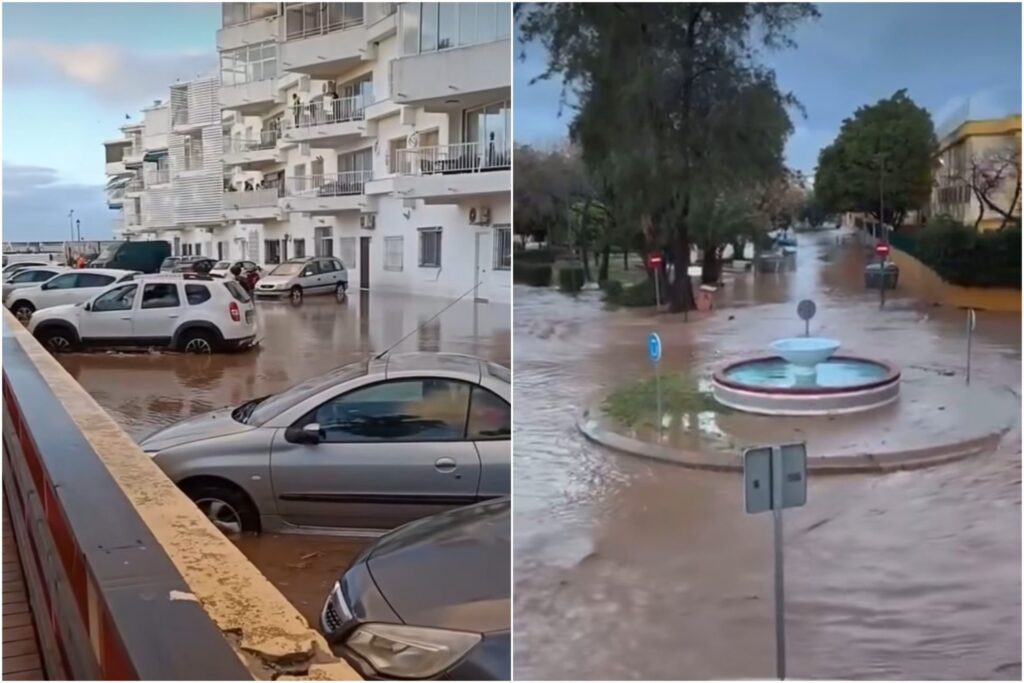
column 444, row 465
column 126, row 317
column 172, row 316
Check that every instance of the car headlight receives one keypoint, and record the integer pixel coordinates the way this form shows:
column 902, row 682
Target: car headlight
column 410, row 651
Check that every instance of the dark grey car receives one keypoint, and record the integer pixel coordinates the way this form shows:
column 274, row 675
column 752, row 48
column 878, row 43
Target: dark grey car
column 431, row 599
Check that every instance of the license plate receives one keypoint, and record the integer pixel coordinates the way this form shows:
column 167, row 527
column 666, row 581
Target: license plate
column 248, row 316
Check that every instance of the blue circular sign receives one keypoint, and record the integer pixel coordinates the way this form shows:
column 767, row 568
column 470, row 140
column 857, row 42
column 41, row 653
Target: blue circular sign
column 654, row 346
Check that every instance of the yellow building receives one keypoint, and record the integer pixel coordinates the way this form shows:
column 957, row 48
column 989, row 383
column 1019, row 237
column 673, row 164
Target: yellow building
column 970, row 154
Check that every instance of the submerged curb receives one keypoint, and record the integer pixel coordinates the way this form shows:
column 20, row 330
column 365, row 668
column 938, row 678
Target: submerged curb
column 592, row 424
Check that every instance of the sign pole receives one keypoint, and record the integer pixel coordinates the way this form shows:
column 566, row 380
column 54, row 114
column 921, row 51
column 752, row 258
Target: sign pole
column 780, row 604
column 970, row 334
column 654, row 353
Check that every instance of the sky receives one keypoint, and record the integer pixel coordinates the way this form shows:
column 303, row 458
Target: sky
column 71, row 72
column 957, row 60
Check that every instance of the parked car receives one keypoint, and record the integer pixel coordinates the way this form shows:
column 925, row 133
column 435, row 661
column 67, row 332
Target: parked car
column 13, row 268
column 300, row 276
column 201, row 265
column 72, row 287
column 27, row 277
column 191, row 314
column 143, row 256
column 223, row 268
column 370, row 446
column 429, row 600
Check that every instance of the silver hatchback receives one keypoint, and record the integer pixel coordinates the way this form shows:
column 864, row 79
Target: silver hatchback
column 300, row 276
column 367, row 447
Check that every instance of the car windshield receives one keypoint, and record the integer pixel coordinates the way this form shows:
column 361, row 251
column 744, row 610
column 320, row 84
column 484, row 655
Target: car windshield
column 288, row 268
column 168, row 262
column 272, row 406
column 237, row 291
column 108, row 252
column 222, row 265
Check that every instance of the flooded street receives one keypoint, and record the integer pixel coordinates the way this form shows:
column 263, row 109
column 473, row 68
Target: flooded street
column 146, row 391
column 629, row 568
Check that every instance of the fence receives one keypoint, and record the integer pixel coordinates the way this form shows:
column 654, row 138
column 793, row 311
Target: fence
column 329, row 184
column 327, row 111
column 460, row 157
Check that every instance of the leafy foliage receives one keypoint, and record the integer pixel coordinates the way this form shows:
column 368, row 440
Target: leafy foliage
column 964, row 256
column 635, row 404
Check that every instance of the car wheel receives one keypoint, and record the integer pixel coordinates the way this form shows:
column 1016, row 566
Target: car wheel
column 296, row 295
column 339, row 291
column 228, row 508
column 57, row 340
column 23, row 310
column 197, row 341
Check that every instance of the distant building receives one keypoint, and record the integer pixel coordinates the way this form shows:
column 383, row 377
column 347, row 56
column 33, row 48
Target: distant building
column 976, row 153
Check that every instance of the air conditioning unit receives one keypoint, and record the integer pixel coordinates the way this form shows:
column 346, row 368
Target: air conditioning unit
column 368, row 221
column 485, row 215
column 472, row 215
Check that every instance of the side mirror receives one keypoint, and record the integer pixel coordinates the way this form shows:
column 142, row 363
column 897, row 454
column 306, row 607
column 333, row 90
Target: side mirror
column 88, row 305
column 310, row 434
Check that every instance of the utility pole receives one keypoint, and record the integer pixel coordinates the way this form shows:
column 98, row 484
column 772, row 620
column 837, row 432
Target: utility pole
column 880, row 157
column 78, row 226
column 71, row 224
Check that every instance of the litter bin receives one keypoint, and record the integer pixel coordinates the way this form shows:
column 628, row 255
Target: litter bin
column 875, row 274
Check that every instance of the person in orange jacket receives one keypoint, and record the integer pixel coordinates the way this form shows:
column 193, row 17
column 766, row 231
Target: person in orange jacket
column 80, row 262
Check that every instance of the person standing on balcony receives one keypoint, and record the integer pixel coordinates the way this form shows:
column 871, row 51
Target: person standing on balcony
column 296, row 108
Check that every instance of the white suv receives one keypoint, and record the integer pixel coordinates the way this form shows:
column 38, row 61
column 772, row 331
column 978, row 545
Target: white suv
column 67, row 288
column 192, row 313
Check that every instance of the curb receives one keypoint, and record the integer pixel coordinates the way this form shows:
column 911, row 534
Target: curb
column 590, row 425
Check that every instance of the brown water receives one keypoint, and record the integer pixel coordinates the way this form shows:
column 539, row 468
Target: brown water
column 627, row 568
column 145, row 391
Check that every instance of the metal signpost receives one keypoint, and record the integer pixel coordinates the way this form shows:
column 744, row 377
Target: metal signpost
column 882, row 250
column 806, row 310
column 654, row 353
column 775, row 478
column 654, row 262
column 971, row 321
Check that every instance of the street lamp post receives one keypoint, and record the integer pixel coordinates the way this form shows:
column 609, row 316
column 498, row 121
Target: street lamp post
column 880, row 158
column 71, row 224
column 78, row 227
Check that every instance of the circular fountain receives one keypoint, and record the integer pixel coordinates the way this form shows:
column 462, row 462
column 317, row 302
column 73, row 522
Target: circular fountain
column 806, row 378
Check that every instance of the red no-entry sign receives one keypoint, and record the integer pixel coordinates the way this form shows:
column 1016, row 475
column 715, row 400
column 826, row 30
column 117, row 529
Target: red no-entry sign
column 654, row 259
column 882, row 249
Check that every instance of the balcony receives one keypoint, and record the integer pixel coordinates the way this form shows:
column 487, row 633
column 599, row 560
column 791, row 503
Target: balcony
column 327, row 122
column 161, row 176
column 135, row 186
column 325, row 43
column 454, row 79
column 249, row 98
column 448, row 173
column 252, row 205
column 327, row 193
column 133, row 155
column 381, row 20
column 260, row 151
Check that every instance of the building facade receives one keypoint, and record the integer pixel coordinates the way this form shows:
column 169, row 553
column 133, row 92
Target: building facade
column 379, row 133
column 979, row 154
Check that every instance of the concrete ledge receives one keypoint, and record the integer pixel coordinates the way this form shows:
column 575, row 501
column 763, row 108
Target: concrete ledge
column 927, row 285
column 594, row 426
column 265, row 630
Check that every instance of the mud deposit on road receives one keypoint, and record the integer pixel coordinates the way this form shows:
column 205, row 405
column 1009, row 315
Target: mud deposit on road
column 632, row 569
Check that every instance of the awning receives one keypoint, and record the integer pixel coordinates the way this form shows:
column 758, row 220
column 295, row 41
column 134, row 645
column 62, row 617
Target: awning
column 154, row 156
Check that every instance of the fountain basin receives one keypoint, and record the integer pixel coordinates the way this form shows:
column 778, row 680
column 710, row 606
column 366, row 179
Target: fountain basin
column 773, row 385
column 805, row 352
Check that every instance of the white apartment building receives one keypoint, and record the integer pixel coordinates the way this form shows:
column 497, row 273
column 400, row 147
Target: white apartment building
column 376, row 132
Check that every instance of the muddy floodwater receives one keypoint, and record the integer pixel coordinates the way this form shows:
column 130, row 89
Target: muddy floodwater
column 629, row 568
column 145, row 391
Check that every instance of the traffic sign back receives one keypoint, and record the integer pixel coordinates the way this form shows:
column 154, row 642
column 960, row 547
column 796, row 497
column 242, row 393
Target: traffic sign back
column 654, row 347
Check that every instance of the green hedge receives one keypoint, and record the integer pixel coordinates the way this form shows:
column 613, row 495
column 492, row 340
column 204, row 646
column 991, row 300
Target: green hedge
column 635, row 295
column 533, row 274
column 570, row 277
column 964, row 256
column 535, row 256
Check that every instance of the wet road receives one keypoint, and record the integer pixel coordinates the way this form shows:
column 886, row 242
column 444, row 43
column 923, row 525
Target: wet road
column 626, row 568
column 145, row 391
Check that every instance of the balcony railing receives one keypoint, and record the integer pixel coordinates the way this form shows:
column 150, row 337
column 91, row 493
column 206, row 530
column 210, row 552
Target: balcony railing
column 179, row 117
column 160, row 177
column 301, row 22
column 267, row 140
column 327, row 111
column 329, row 184
column 460, row 157
column 135, row 185
column 375, row 11
column 251, row 199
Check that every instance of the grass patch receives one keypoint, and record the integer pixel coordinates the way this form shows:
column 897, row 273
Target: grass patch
column 635, row 404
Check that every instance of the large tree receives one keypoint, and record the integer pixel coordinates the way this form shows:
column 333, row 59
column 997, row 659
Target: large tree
column 882, row 157
column 669, row 99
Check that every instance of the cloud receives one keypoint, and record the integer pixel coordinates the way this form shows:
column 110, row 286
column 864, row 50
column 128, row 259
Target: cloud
column 986, row 103
column 36, row 205
column 110, row 73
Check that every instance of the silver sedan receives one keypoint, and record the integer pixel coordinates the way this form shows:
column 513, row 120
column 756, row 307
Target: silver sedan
column 365, row 448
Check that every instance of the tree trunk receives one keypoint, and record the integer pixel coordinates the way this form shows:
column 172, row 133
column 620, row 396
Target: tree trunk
column 602, row 269
column 738, row 248
column 584, row 256
column 680, row 291
column 625, row 259
column 710, row 267
column 981, row 210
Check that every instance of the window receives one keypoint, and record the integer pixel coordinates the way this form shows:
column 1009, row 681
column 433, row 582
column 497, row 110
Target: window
column 193, row 150
column 323, row 243
column 430, row 247
column 489, row 127
column 177, row 246
column 447, row 25
column 394, row 147
column 32, row 276
column 198, row 251
column 300, row 248
column 401, row 410
column 93, row 280
column 304, row 19
column 237, row 291
column 393, row 253
column 234, row 13
column 347, row 249
column 328, row 266
column 430, row 26
column 299, row 181
column 489, row 416
column 196, row 294
column 160, row 296
column 502, row 247
column 118, row 299
column 410, row 20
column 311, row 268
column 66, row 281
column 271, row 251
